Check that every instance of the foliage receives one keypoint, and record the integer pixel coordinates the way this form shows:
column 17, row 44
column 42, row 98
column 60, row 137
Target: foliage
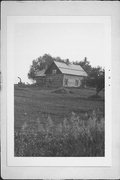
column 85, row 64
column 43, row 62
column 100, row 84
column 74, row 136
column 96, row 78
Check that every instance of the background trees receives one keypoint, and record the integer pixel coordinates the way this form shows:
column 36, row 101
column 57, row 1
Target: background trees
column 42, row 62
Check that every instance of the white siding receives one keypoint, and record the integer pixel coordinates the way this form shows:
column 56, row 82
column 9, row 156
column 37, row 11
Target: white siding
column 72, row 81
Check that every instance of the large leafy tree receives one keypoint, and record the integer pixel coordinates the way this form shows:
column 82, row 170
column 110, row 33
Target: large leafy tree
column 85, row 64
column 96, row 78
column 42, row 62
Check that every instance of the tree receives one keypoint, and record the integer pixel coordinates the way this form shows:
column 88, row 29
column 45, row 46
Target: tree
column 67, row 61
column 100, row 84
column 58, row 59
column 42, row 62
column 85, row 64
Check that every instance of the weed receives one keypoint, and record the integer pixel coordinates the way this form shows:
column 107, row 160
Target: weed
column 74, row 136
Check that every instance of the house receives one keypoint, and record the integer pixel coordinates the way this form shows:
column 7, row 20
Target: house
column 40, row 77
column 60, row 74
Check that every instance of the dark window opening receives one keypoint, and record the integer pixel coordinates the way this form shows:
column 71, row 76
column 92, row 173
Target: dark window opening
column 66, row 81
column 76, row 82
column 54, row 71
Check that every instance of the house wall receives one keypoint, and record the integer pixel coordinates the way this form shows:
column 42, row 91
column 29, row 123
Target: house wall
column 72, row 81
column 54, row 80
column 52, row 68
column 54, row 77
column 40, row 80
column 50, row 80
column 59, row 80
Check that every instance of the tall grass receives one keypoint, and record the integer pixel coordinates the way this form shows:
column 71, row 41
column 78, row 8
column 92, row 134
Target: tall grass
column 74, row 136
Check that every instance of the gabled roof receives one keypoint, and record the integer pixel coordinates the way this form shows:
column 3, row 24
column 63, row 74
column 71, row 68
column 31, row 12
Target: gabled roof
column 70, row 69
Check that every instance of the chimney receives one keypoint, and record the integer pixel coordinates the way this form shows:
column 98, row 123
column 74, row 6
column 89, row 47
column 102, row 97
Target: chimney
column 67, row 61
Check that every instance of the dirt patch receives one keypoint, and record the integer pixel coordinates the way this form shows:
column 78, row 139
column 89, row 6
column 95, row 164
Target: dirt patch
column 62, row 91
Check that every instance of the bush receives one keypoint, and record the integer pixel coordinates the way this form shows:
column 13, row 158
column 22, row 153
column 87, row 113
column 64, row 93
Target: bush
column 72, row 137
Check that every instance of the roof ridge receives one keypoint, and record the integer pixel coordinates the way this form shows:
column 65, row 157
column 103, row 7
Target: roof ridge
column 71, row 69
column 68, row 64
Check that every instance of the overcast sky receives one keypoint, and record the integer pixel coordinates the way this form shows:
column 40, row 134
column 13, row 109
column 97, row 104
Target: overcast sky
column 72, row 41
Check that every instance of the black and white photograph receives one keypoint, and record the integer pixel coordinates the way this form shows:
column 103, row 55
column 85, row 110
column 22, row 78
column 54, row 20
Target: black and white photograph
column 59, row 89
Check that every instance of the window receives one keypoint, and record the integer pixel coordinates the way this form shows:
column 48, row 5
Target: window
column 76, row 82
column 54, row 71
column 66, row 82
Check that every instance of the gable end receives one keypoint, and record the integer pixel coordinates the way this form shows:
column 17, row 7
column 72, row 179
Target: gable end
column 53, row 69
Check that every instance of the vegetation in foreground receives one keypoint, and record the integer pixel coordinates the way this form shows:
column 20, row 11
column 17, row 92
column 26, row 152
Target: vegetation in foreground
column 77, row 136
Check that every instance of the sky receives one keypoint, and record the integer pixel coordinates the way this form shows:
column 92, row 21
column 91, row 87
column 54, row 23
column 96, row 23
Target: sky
column 73, row 41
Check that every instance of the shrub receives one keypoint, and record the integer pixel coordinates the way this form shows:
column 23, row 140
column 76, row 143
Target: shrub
column 72, row 137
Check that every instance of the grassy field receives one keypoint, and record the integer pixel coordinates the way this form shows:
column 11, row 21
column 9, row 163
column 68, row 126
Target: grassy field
column 54, row 107
column 31, row 103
